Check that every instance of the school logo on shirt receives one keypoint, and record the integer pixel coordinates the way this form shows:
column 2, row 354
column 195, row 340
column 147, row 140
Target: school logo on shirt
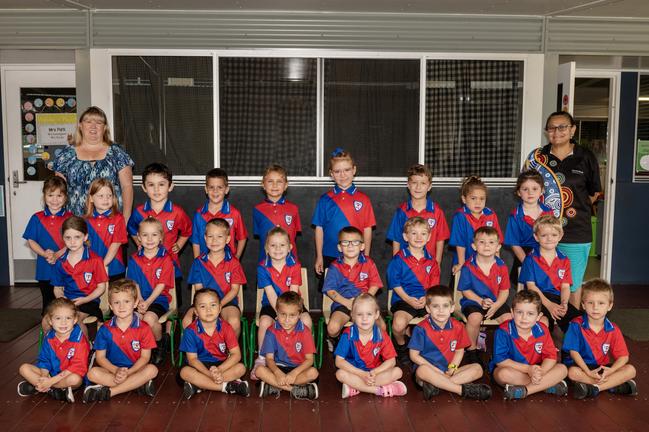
column 288, row 281
column 490, row 223
column 227, row 276
column 70, row 353
column 135, row 345
column 298, row 346
column 222, row 347
column 87, row 276
column 431, row 222
column 288, row 219
column 605, row 348
column 375, row 351
column 358, row 205
column 538, row 347
column 230, row 221
column 561, row 273
column 428, row 268
column 111, row 229
column 499, row 279
column 453, row 345
column 362, row 276
column 170, row 225
column 158, row 272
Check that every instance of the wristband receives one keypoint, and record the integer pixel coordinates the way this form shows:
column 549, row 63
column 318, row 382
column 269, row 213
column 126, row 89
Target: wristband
column 452, row 366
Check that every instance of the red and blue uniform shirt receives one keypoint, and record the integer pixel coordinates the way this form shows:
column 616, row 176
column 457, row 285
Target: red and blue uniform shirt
column 547, row 277
column 483, row 285
column 69, row 355
column 414, row 275
column 175, row 224
column 151, row 272
column 82, row 279
column 104, row 229
column 533, row 351
column 338, row 209
column 209, row 349
column 202, row 216
column 44, row 227
column 369, row 356
column 433, row 214
column 288, row 349
column 597, row 349
column 219, row 278
column 351, row 281
column 268, row 214
column 464, row 226
column 438, row 344
column 520, row 227
column 124, row 348
column 281, row 281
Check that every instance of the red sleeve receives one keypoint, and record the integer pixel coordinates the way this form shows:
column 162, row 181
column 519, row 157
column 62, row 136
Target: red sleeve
column 387, row 349
column 567, row 278
column 463, row 340
column 307, row 341
column 183, row 223
column 441, row 229
column 99, row 270
column 237, row 276
column 147, row 340
column 618, row 345
column 505, row 283
column 296, row 274
column 497, row 226
column 298, row 222
column 228, row 335
column 79, row 362
column 434, row 274
column 549, row 349
column 168, row 272
column 119, row 235
column 239, row 228
column 369, row 219
column 375, row 279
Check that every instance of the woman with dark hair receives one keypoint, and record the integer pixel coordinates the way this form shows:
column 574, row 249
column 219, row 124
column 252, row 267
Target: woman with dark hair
column 93, row 155
column 575, row 169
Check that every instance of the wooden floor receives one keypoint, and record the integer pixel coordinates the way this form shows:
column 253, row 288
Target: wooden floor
column 218, row 412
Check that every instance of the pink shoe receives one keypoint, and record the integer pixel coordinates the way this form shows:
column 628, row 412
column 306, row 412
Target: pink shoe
column 260, row 361
column 396, row 388
column 349, row 391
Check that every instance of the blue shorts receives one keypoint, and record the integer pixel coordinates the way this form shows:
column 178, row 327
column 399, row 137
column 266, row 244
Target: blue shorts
column 578, row 255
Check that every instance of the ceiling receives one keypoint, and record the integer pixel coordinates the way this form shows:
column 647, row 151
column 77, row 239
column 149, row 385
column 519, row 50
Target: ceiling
column 590, row 8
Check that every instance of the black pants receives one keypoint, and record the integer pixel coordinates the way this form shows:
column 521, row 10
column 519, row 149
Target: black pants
column 47, row 293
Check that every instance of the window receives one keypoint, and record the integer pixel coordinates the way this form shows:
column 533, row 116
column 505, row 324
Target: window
column 268, row 114
column 473, row 117
column 371, row 109
column 163, row 111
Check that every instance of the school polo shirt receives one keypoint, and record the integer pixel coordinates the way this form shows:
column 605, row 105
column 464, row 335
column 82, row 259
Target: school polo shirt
column 288, row 349
column 547, row 277
column 519, row 231
column 82, row 279
column 202, row 216
column 600, row 348
column 464, row 226
column 104, row 229
column 209, row 349
column 340, row 208
column 150, row 272
column 350, row 281
column 509, row 345
column 281, row 281
column 369, row 356
column 268, row 214
column 124, row 348
column 414, row 275
column 218, row 278
column 433, row 214
column 44, row 227
column 175, row 224
column 484, row 285
column 438, row 344
column 70, row 354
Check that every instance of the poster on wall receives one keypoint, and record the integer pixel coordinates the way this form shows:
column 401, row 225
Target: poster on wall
column 49, row 120
column 642, row 158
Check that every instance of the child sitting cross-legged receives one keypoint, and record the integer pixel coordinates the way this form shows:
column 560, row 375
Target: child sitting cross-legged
column 212, row 350
column 365, row 356
column 598, row 357
column 524, row 356
column 437, row 346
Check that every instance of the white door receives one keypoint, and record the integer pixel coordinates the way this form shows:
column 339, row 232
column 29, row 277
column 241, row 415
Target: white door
column 39, row 111
column 566, row 87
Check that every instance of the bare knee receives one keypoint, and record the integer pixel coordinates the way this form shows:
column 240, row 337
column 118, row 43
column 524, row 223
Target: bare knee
column 312, row 373
column 333, row 328
column 150, row 371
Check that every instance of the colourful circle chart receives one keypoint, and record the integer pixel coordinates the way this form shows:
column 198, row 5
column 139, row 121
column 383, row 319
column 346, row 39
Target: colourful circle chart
column 27, row 106
column 38, row 102
column 29, row 127
column 60, row 102
column 72, row 102
column 29, row 117
column 49, row 102
column 31, row 170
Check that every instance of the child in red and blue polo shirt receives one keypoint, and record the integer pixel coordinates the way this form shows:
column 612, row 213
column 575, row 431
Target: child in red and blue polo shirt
column 524, row 357
column 63, row 359
column 123, row 349
column 212, row 351
column 598, row 357
column 365, row 356
column 289, row 350
column 547, row 271
column 436, row 349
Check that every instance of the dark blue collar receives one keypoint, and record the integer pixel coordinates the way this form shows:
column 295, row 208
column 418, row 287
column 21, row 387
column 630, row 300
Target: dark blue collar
column 350, row 190
column 167, row 207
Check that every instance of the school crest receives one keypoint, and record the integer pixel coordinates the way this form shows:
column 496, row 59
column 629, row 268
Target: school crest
column 230, row 221
column 375, row 351
column 561, row 273
column 288, row 219
column 453, row 345
column 158, row 272
column 538, row 347
column 135, row 345
column 87, row 276
column 222, row 347
column 489, row 223
column 499, row 279
column 170, row 225
column 227, row 276
column 358, row 205
column 428, row 269
column 432, row 222
column 70, row 353
column 298, row 346
column 605, row 348
column 288, row 281
column 111, row 229
column 362, row 276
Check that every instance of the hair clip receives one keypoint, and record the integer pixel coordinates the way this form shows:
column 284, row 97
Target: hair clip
column 338, row 151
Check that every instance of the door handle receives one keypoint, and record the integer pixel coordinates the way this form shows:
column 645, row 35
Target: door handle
column 16, row 179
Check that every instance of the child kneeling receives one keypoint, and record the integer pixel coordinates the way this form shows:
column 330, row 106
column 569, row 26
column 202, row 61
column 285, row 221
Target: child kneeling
column 365, row 356
column 437, row 347
column 212, row 350
column 289, row 349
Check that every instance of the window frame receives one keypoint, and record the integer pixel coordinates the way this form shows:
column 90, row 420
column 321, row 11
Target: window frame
column 531, row 123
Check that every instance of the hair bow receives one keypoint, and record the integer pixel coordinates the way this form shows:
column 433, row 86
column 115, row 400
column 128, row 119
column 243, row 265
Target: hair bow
column 337, row 152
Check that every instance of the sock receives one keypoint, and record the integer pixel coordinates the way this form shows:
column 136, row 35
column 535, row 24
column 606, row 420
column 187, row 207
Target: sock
column 379, row 391
column 261, row 357
column 225, row 384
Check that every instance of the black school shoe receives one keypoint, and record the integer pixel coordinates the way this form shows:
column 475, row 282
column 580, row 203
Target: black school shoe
column 403, row 355
column 429, row 390
column 25, row 388
column 62, row 394
column 189, row 390
column 147, row 389
column 238, row 387
column 268, row 390
column 629, row 388
column 93, row 393
column 582, row 390
column 559, row 389
column 306, row 391
column 476, row 391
